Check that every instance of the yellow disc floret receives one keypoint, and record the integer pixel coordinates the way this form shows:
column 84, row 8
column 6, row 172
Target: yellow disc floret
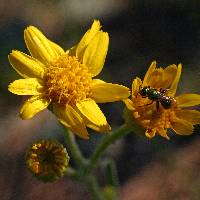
column 68, row 80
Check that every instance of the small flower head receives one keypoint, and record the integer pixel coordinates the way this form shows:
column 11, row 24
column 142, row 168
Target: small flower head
column 154, row 106
column 65, row 79
column 47, row 160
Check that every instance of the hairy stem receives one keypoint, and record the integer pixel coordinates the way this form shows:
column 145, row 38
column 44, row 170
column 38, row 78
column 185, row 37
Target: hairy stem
column 93, row 188
column 106, row 141
column 73, row 148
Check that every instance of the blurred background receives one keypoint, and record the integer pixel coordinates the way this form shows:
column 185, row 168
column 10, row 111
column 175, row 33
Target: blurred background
column 140, row 31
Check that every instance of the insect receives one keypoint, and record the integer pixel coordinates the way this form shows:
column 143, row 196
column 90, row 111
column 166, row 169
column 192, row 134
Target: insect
column 158, row 96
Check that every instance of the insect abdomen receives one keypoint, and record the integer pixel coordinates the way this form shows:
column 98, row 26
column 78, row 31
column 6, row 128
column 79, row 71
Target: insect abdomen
column 166, row 101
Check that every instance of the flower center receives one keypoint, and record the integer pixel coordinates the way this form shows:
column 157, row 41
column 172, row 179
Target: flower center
column 151, row 118
column 68, row 80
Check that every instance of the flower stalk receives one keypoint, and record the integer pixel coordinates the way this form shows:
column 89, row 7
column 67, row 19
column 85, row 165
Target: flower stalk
column 73, row 148
column 93, row 188
column 86, row 167
column 104, row 144
column 80, row 161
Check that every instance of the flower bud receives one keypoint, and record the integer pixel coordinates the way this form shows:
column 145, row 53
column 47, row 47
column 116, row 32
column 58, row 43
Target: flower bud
column 47, row 160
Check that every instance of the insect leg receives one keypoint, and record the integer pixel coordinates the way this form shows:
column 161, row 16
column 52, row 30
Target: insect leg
column 146, row 104
column 157, row 105
column 163, row 91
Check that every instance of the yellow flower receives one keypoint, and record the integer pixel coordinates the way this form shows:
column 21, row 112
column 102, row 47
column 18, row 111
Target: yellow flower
column 157, row 120
column 47, row 160
column 64, row 79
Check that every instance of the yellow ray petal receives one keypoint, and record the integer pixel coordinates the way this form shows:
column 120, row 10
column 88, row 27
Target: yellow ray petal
column 26, row 66
column 129, row 104
column 72, row 51
column 137, row 83
column 71, row 119
column 88, row 36
column 156, row 78
column 102, row 129
column 33, row 105
column 163, row 78
column 29, row 86
column 92, row 112
column 97, row 81
column 148, row 73
column 57, row 48
column 192, row 116
column 182, row 127
column 95, row 54
column 108, row 92
column 163, row 133
column 187, row 100
column 174, row 85
column 39, row 46
column 169, row 74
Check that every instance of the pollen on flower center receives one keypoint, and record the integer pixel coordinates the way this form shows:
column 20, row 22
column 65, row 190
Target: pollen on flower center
column 151, row 118
column 68, row 80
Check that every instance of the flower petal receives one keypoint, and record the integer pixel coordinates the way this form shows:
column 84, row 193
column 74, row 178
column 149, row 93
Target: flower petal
column 182, row 127
column 95, row 54
column 29, row 86
column 163, row 133
column 33, row 105
column 156, row 78
column 57, row 48
column 129, row 104
column 108, row 92
column 97, row 81
column 192, row 116
column 102, row 129
column 187, row 100
column 174, row 85
column 147, row 76
column 160, row 78
column 92, row 112
column 39, row 46
column 169, row 74
column 71, row 119
column 71, row 51
column 137, row 83
column 26, row 66
column 88, row 36
column 163, row 78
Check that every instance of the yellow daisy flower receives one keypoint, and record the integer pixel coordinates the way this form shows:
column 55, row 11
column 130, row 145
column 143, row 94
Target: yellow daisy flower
column 154, row 119
column 64, row 79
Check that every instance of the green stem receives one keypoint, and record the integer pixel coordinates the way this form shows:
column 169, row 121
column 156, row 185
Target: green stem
column 94, row 188
column 70, row 172
column 73, row 148
column 112, row 178
column 111, row 173
column 85, row 169
column 106, row 141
